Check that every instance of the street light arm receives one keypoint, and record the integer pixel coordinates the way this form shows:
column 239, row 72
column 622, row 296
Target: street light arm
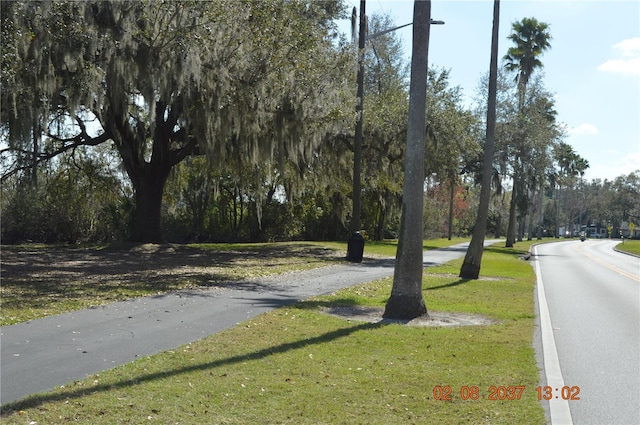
column 377, row 34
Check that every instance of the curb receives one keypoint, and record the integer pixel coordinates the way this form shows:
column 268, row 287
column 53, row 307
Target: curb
column 615, row 248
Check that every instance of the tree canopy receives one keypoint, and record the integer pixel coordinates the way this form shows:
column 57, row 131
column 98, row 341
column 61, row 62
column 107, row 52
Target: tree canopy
column 234, row 120
column 165, row 80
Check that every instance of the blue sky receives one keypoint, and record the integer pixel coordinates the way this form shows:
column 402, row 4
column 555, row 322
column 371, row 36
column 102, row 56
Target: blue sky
column 593, row 67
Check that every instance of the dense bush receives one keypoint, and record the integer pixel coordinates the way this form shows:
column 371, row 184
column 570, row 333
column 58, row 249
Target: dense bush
column 73, row 201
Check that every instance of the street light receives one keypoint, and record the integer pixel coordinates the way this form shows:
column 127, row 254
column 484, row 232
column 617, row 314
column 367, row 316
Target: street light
column 353, row 246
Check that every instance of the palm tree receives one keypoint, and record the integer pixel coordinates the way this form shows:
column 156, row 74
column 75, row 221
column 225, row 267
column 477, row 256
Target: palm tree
column 471, row 266
column 531, row 39
column 570, row 166
column 406, row 300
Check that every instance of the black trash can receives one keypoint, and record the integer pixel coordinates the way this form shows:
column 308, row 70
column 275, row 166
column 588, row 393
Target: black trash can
column 355, row 247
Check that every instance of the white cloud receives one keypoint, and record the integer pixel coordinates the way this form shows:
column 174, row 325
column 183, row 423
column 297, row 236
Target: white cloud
column 627, row 58
column 622, row 66
column 629, row 47
column 631, row 162
column 613, row 165
column 584, row 128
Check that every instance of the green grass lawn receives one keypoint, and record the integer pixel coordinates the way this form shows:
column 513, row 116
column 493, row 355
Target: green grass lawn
column 388, row 248
column 630, row 245
column 296, row 365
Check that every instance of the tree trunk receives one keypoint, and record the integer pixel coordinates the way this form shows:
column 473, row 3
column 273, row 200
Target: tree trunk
column 472, row 261
column 406, row 300
column 511, row 229
column 531, row 213
column 557, row 193
column 522, row 218
column 148, row 213
column 147, row 177
column 382, row 214
column 451, row 195
column 498, row 232
column 36, row 131
column 541, row 213
column 519, row 229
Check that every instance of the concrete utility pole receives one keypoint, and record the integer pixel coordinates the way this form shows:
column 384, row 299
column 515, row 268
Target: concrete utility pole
column 363, row 37
column 355, row 245
column 357, row 143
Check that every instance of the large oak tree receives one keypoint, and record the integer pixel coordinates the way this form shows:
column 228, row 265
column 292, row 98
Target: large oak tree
column 163, row 80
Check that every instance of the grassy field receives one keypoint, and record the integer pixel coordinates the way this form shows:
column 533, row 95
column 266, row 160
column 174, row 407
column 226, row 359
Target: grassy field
column 388, row 248
column 297, row 365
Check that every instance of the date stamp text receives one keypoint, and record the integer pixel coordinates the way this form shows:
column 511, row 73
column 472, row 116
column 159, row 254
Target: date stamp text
column 503, row 392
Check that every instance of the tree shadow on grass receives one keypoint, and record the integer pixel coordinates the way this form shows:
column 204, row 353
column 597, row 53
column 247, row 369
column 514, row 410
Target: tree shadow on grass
column 320, row 304
column 448, row 285
column 37, row 277
column 504, row 250
column 38, row 400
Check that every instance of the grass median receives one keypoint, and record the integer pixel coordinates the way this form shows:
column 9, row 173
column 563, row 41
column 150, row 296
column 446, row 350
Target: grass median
column 632, row 246
column 297, row 365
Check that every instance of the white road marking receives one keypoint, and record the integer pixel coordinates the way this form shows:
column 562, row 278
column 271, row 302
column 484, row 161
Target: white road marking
column 558, row 407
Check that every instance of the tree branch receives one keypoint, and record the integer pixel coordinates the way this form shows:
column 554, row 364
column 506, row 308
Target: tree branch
column 82, row 139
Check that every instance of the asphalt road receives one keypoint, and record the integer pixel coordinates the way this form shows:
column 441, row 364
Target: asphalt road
column 593, row 299
column 42, row 354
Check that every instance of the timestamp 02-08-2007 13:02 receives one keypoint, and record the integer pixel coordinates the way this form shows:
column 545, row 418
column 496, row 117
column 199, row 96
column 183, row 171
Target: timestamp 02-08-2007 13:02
column 502, row 392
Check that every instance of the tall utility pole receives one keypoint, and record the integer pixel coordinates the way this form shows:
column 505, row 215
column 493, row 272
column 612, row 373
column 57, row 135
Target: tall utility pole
column 355, row 246
column 357, row 143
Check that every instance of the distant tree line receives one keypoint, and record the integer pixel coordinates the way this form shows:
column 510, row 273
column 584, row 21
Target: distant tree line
column 233, row 121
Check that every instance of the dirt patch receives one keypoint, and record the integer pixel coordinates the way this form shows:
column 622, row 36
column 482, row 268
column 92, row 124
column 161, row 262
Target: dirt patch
column 435, row 318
